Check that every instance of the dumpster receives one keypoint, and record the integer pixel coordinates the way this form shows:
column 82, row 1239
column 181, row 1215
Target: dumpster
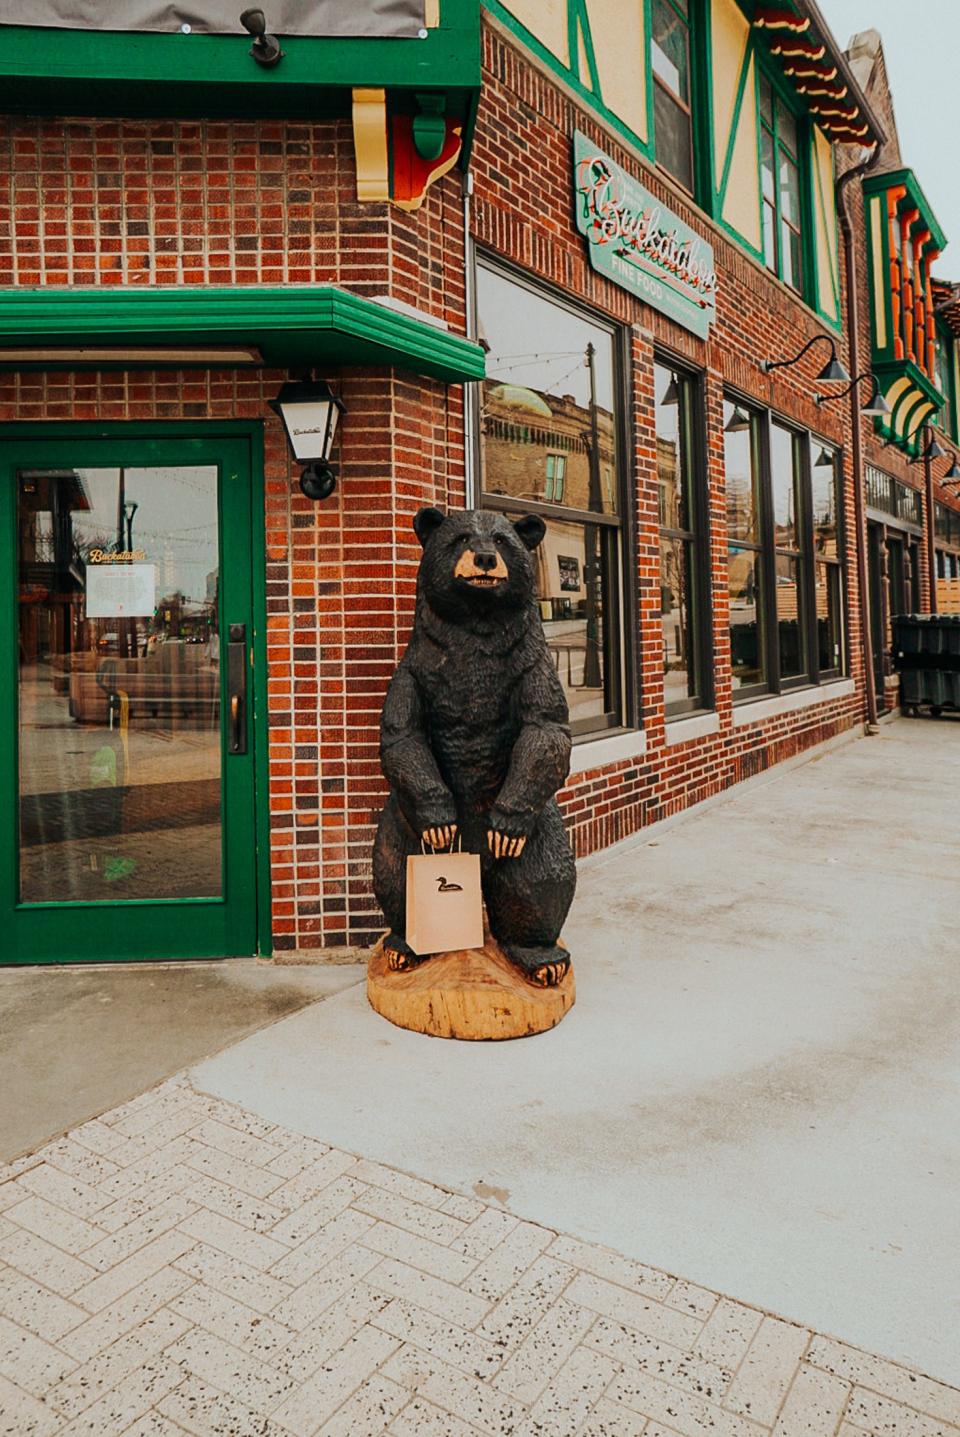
column 926, row 655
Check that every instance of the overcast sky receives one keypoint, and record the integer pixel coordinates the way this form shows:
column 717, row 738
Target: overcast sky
column 921, row 42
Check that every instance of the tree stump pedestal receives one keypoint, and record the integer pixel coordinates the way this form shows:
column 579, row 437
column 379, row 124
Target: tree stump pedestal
column 474, row 993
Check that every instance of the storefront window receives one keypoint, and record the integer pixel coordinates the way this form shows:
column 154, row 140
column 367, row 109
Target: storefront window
column 683, row 611
column 827, row 569
column 744, row 577
column 548, row 436
column 786, row 483
column 673, row 128
column 785, row 563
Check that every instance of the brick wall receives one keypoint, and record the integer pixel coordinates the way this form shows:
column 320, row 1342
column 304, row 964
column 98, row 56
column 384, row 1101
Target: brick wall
column 523, row 212
column 97, row 202
column 137, row 202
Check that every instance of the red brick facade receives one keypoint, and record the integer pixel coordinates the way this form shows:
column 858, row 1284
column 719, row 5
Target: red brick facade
column 104, row 202
column 523, row 213
column 155, row 202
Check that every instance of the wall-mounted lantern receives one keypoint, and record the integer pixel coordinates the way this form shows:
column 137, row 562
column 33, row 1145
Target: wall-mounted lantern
column 310, row 412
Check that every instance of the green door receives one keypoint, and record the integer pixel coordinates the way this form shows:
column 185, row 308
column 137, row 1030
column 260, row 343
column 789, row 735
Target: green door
column 127, row 775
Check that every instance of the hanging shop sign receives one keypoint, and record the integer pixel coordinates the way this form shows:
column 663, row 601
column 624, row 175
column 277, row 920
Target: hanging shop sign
column 638, row 243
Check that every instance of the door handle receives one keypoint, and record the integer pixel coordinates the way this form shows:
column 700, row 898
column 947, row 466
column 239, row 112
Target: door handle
column 237, row 686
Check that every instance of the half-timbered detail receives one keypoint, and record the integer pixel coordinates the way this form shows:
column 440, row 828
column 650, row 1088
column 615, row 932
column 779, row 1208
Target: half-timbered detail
column 740, row 107
column 903, row 240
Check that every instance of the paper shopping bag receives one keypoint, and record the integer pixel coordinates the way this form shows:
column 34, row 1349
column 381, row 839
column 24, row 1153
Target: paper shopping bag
column 444, row 906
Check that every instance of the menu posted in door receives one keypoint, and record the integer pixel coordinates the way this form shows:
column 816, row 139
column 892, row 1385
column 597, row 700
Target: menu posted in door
column 121, row 591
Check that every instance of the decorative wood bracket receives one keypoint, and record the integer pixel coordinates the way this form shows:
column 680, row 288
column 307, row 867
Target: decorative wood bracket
column 370, row 145
column 400, row 156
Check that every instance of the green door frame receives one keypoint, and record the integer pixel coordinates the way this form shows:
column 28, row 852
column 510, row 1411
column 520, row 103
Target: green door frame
column 60, row 938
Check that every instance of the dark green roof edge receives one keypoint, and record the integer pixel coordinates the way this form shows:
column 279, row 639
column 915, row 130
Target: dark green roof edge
column 38, row 63
column 289, row 325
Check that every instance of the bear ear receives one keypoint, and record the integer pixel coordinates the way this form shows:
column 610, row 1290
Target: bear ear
column 424, row 523
column 531, row 529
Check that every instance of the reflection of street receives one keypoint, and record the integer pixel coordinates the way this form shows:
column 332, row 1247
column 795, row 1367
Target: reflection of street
column 107, row 812
column 676, row 679
column 567, row 642
column 119, row 688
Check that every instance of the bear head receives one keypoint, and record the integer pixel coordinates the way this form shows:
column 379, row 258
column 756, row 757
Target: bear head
column 476, row 562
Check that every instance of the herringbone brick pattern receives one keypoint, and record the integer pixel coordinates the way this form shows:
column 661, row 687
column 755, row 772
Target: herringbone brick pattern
column 181, row 1266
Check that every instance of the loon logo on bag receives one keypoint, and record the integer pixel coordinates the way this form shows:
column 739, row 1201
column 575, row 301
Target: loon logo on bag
column 457, row 922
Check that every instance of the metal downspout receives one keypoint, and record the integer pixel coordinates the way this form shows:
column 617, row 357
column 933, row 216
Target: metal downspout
column 860, row 509
column 931, row 535
column 470, row 407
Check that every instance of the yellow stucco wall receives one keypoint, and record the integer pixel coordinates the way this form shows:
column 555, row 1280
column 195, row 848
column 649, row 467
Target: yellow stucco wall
column 547, row 20
column 617, row 29
column 875, row 224
column 741, row 202
column 730, row 33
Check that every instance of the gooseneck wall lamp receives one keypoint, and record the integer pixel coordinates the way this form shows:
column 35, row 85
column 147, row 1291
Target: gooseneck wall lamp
column 310, row 412
column 932, row 451
column 832, row 372
column 876, row 406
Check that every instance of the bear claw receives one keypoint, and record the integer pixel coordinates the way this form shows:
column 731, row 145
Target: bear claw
column 550, row 975
column 546, row 967
column 400, row 956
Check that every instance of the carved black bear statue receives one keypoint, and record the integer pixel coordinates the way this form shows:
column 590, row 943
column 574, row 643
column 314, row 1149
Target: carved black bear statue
column 475, row 742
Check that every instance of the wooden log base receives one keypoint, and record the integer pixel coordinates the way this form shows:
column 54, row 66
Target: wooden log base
column 475, row 993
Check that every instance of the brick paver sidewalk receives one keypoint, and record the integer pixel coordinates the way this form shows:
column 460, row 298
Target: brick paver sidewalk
column 181, row 1266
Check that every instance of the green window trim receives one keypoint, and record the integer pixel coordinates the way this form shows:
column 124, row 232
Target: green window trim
column 570, row 75
column 946, row 382
column 57, row 932
column 292, row 325
column 781, row 97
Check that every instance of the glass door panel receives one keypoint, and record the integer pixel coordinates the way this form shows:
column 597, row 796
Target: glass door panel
column 119, row 684
column 132, row 775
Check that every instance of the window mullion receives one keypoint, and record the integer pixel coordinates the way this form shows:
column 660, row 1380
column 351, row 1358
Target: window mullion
column 808, row 562
column 768, row 563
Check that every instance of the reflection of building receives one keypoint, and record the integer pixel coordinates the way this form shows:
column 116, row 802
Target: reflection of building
column 51, row 571
column 537, row 446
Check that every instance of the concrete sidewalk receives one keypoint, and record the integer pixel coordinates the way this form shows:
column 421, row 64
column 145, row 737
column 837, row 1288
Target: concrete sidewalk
column 180, row 1266
column 757, row 1088
column 76, row 1041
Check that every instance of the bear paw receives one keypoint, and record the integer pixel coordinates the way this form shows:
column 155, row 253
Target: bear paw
column 547, row 967
column 399, row 955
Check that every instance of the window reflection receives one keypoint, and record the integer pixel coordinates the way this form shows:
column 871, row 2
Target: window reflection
column 570, row 579
column 746, row 638
column 682, row 622
column 119, row 684
column 827, row 572
column 745, row 573
column 548, row 440
column 670, row 46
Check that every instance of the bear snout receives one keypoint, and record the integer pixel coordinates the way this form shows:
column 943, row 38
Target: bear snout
column 481, row 567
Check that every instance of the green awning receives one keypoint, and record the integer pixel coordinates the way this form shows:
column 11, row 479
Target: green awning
column 316, row 326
